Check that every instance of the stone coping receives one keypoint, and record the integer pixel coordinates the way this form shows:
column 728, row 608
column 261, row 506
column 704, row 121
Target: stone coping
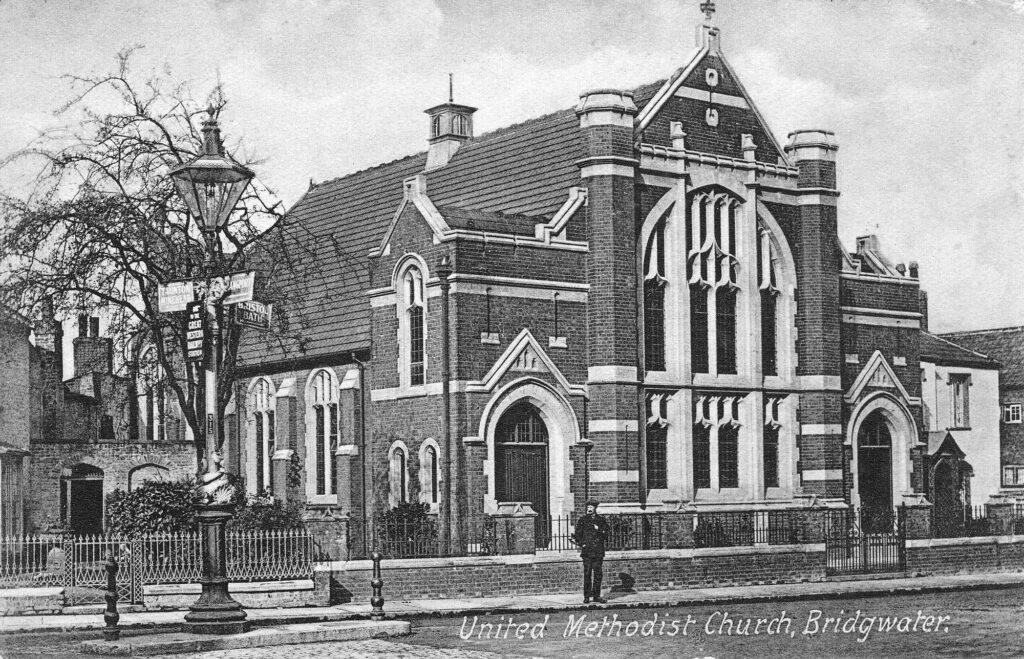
column 568, row 556
column 233, row 587
column 924, row 543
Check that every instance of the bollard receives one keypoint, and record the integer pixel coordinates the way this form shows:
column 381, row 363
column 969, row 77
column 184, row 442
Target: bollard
column 377, row 599
column 111, row 632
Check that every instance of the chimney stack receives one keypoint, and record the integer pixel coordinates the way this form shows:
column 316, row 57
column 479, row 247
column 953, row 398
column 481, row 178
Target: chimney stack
column 93, row 353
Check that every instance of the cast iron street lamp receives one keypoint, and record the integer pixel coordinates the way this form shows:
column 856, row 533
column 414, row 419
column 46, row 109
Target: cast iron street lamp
column 211, row 185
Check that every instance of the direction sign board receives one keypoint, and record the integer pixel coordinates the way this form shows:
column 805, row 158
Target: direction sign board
column 195, row 332
column 254, row 314
column 239, row 288
column 173, row 296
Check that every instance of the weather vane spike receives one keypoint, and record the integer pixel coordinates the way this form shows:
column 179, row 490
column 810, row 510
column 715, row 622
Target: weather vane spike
column 451, row 96
column 708, row 7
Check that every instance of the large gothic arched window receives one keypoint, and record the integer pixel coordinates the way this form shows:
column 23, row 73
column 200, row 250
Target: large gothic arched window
column 712, row 275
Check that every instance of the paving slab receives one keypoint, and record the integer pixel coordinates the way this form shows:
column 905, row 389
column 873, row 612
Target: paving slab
column 313, row 632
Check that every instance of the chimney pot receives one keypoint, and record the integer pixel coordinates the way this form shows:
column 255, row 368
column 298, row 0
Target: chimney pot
column 914, row 270
column 94, row 327
column 83, row 325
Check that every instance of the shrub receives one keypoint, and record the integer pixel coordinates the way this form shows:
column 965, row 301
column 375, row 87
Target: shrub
column 153, row 507
column 261, row 511
column 406, row 531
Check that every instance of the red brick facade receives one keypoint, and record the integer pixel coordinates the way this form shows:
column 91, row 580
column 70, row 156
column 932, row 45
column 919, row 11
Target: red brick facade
column 549, row 228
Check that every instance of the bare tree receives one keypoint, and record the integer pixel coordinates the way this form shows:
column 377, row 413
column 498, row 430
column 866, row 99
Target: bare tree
column 102, row 226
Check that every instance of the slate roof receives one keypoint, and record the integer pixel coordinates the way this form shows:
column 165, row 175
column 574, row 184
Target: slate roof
column 1005, row 344
column 506, row 181
column 939, row 350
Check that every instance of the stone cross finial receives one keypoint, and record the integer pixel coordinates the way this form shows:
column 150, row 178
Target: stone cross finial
column 708, row 7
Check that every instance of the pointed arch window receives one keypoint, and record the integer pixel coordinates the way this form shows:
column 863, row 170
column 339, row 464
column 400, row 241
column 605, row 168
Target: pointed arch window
column 712, row 276
column 768, row 284
column 429, row 490
column 398, row 474
column 415, row 339
column 770, row 447
column 323, row 403
column 716, row 434
column 654, row 300
column 657, row 442
column 263, row 440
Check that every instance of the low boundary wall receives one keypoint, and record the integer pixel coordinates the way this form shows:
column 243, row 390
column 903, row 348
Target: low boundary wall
column 560, row 572
column 1004, row 553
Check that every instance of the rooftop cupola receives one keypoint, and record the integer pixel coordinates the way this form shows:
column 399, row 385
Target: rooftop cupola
column 451, row 124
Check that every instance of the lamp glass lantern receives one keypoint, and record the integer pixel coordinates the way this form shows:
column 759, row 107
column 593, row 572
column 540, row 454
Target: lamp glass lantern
column 211, row 183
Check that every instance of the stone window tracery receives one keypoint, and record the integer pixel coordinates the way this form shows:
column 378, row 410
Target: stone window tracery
column 716, row 441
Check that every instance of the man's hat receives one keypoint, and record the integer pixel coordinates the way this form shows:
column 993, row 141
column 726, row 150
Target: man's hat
column 592, row 502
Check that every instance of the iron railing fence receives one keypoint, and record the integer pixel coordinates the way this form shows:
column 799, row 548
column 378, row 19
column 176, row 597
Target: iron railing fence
column 746, row 528
column 269, row 555
column 31, row 560
column 625, row 532
column 77, row 562
column 172, row 558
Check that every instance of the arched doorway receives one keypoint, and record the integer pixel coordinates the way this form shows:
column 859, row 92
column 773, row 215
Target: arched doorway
column 521, row 462
column 82, row 499
column 874, row 473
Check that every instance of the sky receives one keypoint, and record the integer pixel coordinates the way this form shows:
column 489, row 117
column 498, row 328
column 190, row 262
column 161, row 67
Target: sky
column 926, row 97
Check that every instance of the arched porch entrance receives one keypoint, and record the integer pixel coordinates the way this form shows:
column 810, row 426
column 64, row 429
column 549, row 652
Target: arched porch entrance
column 874, row 472
column 521, row 462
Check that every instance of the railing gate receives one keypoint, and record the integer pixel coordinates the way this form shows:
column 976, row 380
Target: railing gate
column 856, row 543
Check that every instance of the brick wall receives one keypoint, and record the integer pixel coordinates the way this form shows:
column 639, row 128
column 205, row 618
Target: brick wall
column 562, row 572
column 42, row 508
column 966, row 555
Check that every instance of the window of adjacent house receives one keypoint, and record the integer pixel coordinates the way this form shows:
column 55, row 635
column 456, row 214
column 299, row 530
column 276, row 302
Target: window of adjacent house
column 959, row 387
column 154, row 396
column 654, row 301
column 398, row 475
column 1013, row 475
column 324, row 404
column 712, row 275
column 415, row 336
column 263, row 442
column 1012, row 413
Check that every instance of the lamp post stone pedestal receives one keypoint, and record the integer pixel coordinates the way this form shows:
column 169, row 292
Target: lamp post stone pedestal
column 215, row 612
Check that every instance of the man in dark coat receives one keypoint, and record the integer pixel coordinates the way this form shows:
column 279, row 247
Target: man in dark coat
column 591, row 533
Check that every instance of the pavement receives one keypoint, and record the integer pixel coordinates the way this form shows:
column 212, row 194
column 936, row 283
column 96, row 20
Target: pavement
column 410, row 609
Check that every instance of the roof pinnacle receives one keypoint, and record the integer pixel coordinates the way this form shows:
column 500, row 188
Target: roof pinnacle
column 708, row 7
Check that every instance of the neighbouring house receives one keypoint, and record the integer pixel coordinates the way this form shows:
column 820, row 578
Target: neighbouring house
column 84, row 432
column 15, row 418
column 1006, row 345
column 960, row 396
column 642, row 297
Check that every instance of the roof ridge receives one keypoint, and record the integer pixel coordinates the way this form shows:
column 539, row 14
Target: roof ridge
column 957, row 345
column 990, row 330
column 497, row 132
column 367, row 169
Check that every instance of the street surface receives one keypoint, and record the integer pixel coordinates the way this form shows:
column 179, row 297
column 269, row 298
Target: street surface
column 981, row 623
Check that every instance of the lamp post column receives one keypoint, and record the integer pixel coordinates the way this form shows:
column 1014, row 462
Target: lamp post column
column 215, row 612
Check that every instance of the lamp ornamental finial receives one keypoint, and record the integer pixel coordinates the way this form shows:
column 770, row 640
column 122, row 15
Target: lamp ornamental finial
column 708, row 7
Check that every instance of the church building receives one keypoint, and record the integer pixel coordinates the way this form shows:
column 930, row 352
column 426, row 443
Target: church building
column 642, row 297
